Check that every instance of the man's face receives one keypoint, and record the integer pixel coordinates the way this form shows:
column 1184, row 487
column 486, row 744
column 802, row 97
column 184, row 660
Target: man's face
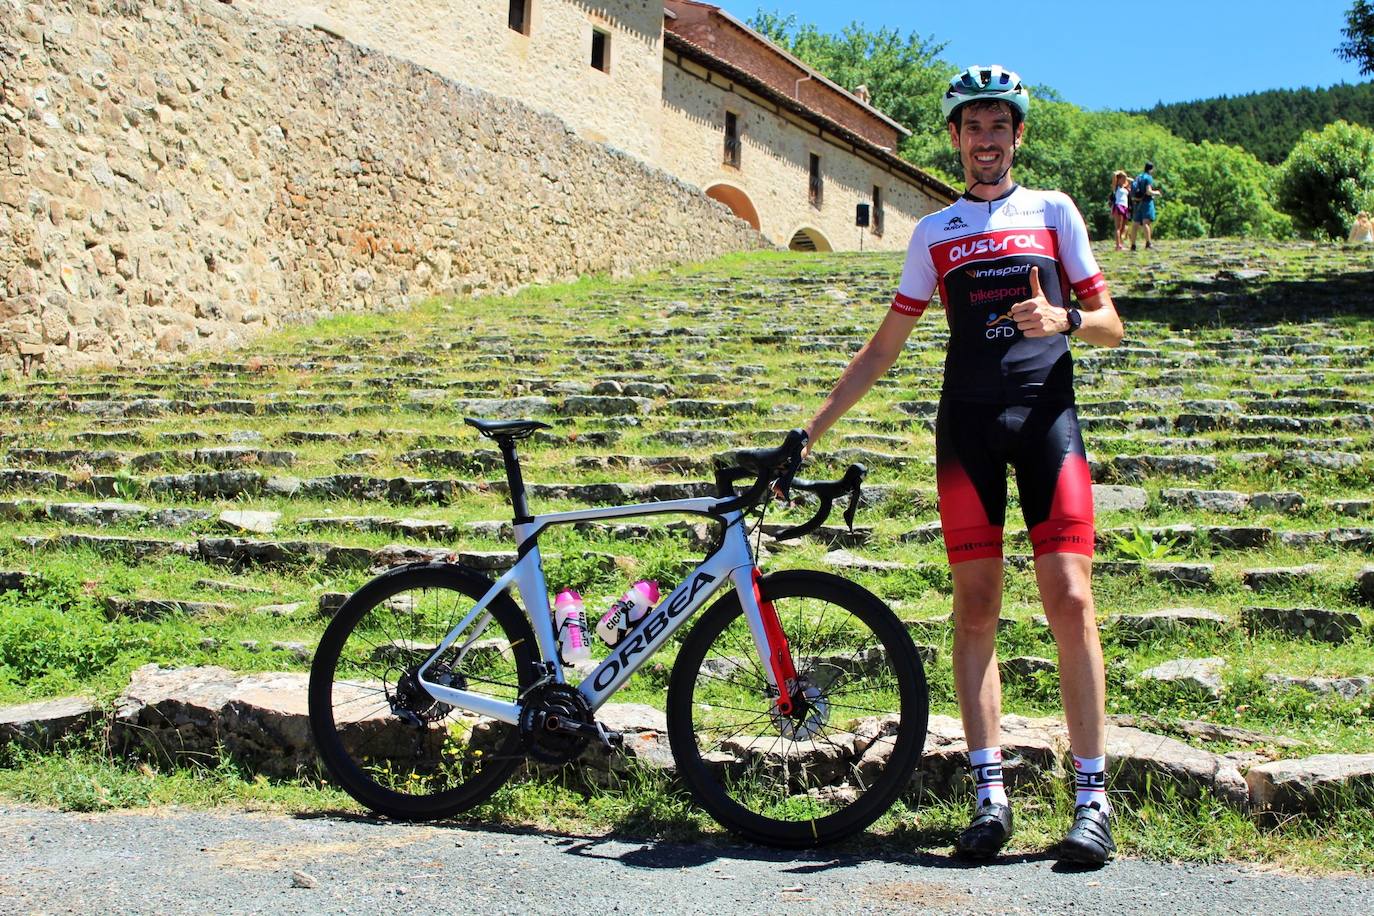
column 985, row 140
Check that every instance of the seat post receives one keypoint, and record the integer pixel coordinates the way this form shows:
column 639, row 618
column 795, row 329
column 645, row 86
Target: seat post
column 514, row 478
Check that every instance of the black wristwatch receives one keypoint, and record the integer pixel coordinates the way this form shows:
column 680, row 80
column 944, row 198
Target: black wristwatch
column 1075, row 321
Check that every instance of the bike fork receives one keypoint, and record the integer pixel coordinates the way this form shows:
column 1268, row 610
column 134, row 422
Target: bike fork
column 778, row 657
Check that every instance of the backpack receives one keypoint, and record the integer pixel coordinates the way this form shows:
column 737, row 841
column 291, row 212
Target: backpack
column 1140, row 189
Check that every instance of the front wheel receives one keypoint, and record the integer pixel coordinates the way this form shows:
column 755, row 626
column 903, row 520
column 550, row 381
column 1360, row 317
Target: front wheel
column 384, row 738
column 852, row 741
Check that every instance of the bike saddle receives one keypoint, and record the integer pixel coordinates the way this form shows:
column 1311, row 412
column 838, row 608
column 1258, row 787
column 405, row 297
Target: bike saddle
column 512, row 429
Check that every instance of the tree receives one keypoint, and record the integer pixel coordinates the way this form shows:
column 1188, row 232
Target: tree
column 1358, row 46
column 904, row 75
column 1328, row 178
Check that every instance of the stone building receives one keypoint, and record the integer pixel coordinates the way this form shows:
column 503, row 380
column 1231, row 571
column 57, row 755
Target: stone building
column 680, row 84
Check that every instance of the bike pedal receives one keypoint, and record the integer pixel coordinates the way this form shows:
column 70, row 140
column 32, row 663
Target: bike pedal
column 613, row 740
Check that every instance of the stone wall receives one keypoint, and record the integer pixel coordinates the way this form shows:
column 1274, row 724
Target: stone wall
column 549, row 69
column 177, row 173
column 774, row 163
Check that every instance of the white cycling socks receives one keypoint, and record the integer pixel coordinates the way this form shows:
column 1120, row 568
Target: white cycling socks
column 986, row 767
column 1090, row 779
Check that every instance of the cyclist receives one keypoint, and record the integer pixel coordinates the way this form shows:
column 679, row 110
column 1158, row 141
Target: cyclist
column 1004, row 260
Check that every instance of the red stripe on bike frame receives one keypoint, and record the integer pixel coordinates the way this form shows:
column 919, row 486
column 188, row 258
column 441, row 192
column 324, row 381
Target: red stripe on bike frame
column 780, row 653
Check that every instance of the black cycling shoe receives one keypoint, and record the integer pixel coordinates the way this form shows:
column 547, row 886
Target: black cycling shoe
column 1089, row 841
column 986, row 834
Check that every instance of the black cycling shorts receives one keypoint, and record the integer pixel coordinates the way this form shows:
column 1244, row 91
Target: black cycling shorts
column 974, row 443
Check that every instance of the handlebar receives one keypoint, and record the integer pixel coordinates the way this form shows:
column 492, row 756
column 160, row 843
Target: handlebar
column 777, row 467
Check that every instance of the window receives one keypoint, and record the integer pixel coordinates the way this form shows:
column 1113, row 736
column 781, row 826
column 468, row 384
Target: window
column 815, row 186
column 519, row 20
column 601, row 50
column 877, row 210
column 732, row 143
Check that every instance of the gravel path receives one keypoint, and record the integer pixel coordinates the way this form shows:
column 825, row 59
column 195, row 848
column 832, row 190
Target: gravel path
column 230, row 862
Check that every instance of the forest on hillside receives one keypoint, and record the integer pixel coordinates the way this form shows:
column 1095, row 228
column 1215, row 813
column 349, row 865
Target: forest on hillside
column 1267, row 124
column 1212, row 185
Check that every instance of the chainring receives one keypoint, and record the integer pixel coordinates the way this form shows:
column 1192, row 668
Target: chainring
column 537, row 707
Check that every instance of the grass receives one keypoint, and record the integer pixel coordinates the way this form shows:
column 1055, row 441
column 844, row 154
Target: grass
column 792, row 323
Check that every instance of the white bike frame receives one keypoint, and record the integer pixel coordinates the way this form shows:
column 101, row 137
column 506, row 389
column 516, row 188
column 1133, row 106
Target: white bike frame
column 732, row 562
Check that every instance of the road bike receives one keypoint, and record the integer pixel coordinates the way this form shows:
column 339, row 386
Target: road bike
column 796, row 705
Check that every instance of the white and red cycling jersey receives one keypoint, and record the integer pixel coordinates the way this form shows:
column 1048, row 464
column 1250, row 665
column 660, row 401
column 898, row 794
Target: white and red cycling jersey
column 978, row 255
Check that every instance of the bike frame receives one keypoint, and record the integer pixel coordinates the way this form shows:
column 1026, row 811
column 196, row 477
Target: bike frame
column 732, row 562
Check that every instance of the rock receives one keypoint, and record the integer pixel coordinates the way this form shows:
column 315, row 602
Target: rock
column 843, row 559
column 1151, row 764
column 303, row 880
column 686, row 407
column 1276, row 502
column 259, row 720
column 1026, row 667
column 1311, row 623
column 280, row 610
column 1220, row 501
column 604, row 406
column 1201, row 675
column 1278, row 577
column 42, row 724
column 1114, row 498
column 102, row 514
column 1348, row 687
column 1132, row 628
column 330, row 602
column 1301, row 460
column 1312, row 784
column 1364, row 585
column 255, row 522
column 159, row 608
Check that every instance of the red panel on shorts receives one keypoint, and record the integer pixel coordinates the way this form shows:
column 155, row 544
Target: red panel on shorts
column 1069, row 529
column 963, row 521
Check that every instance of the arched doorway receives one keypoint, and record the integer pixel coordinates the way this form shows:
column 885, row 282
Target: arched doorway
column 738, row 202
column 808, row 239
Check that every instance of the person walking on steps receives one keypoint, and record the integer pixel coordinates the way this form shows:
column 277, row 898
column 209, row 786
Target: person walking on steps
column 1005, row 260
column 1144, row 192
column 1121, row 206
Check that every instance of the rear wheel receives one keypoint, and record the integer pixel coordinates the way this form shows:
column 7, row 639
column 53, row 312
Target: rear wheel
column 849, row 747
column 383, row 737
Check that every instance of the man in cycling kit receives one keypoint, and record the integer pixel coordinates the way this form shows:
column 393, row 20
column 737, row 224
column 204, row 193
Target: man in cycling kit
column 1005, row 260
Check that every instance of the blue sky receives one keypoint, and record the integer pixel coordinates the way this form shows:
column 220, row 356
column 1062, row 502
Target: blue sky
column 1202, row 48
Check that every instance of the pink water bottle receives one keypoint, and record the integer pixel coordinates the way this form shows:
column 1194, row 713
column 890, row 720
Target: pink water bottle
column 627, row 612
column 568, row 617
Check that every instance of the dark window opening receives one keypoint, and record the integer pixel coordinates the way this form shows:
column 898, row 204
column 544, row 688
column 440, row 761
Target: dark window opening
column 519, row 19
column 732, row 142
column 815, row 186
column 877, row 210
column 601, row 50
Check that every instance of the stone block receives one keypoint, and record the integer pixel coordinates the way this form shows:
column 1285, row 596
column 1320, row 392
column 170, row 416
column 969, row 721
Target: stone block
column 1312, row 784
column 42, row 724
column 1306, row 623
column 1278, row 577
column 1197, row 675
column 1132, row 628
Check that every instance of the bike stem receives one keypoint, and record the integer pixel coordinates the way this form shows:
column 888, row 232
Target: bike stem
column 780, row 653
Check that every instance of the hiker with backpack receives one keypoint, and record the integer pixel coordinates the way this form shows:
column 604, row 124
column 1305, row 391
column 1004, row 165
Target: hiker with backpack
column 1143, row 194
column 1120, row 205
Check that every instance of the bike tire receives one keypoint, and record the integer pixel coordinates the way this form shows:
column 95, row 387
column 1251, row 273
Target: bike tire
column 445, row 761
column 773, row 780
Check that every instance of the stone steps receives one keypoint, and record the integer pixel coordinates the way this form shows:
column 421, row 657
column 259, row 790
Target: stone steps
column 260, row 722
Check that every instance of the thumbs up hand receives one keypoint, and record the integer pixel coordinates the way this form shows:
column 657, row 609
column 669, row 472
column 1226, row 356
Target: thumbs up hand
column 1036, row 317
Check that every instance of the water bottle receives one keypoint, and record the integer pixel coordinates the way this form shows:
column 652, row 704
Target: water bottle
column 572, row 634
column 627, row 612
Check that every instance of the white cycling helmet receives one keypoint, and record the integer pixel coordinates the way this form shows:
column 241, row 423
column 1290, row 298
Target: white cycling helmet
column 985, row 84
